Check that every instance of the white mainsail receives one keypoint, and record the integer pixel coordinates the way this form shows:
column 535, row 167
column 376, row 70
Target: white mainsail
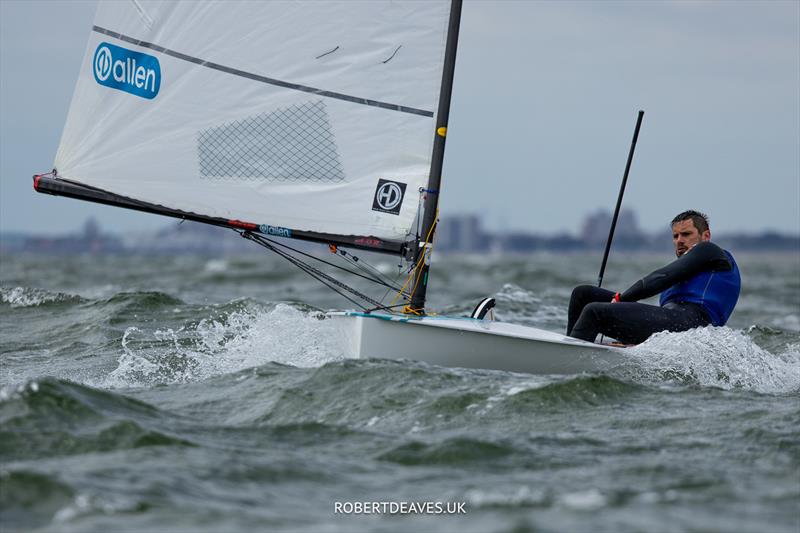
column 317, row 116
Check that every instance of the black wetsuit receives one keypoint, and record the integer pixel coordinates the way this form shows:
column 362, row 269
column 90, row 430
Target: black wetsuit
column 591, row 311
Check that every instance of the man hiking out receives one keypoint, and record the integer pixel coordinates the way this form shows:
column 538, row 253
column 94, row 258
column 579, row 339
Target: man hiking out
column 700, row 288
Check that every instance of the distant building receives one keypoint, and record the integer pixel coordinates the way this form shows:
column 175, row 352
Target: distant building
column 192, row 238
column 627, row 235
column 92, row 241
column 461, row 233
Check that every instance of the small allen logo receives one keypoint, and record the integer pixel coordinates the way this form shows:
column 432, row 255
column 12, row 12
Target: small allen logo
column 127, row 70
column 275, row 230
column 102, row 63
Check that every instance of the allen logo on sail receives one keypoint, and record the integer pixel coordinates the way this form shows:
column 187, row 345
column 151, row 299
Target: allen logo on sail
column 389, row 196
column 126, row 70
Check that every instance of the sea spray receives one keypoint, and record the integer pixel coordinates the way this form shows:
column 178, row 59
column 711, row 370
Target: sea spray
column 713, row 357
column 244, row 338
column 18, row 297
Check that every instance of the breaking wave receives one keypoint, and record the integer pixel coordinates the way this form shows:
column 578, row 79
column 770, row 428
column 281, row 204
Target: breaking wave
column 714, row 357
column 516, row 304
column 30, row 297
column 243, row 338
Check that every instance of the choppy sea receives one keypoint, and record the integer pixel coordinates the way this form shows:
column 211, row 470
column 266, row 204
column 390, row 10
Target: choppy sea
column 206, row 394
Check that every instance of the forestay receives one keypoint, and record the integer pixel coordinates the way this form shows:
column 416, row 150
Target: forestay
column 292, row 116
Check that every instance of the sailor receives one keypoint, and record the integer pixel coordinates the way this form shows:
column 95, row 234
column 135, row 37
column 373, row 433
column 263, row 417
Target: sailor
column 699, row 288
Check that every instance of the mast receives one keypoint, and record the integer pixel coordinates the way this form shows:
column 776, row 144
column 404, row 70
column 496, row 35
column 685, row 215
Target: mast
column 431, row 202
column 619, row 198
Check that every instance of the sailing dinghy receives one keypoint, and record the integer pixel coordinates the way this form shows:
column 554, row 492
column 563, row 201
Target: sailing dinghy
column 311, row 121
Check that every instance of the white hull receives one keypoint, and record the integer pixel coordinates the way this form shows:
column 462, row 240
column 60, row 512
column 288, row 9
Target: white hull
column 472, row 343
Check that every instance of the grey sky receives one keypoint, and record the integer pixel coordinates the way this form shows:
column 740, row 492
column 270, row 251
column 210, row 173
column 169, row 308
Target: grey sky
column 544, row 104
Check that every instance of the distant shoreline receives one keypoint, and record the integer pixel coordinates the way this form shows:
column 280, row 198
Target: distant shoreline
column 458, row 235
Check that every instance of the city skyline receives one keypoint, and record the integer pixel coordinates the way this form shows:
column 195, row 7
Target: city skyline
column 456, row 234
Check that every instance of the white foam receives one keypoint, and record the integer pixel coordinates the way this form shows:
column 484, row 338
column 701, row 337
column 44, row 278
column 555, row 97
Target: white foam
column 30, row 297
column 522, row 495
column 216, row 266
column 516, row 304
column 715, row 357
column 587, row 500
column 513, row 293
column 85, row 504
column 15, row 391
column 242, row 339
column 789, row 322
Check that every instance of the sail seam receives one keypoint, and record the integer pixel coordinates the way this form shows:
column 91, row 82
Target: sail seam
column 263, row 79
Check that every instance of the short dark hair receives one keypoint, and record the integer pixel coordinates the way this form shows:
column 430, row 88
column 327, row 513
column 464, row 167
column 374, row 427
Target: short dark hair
column 700, row 220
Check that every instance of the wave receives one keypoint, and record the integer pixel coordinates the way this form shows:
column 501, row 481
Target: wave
column 20, row 297
column 117, row 307
column 244, row 334
column 541, row 308
column 408, row 397
column 30, row 499
column 452, row 451
column 246, row 337
column 582, row 390
column 53, row 417
column 713, row 357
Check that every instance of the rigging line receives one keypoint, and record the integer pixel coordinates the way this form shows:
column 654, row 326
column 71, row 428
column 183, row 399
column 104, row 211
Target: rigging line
column 368, row 268
column 312, row 271
column 388, row 290
column 384, row 308
column 426, row 252
column 394, row 282
column 399, row 275
column 420, row 202
column 412, row 275
column 379, row 282
column 307, row 269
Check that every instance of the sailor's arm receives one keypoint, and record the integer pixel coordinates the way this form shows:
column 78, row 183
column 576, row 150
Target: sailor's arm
column 702, row 257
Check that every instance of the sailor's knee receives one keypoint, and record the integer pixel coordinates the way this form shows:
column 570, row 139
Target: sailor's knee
column 596, row 309
column 581, row 291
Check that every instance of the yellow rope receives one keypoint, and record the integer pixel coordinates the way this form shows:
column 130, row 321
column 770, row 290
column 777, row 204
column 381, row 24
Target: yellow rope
column 426, row 252
column 408, row 280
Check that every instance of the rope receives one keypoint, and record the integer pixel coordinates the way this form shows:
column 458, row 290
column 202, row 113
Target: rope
column 372, row 279
column 315, row 273
column 426, row 252
column 369, row 269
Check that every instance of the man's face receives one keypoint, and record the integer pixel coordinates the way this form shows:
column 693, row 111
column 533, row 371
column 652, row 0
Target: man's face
column 685, row 235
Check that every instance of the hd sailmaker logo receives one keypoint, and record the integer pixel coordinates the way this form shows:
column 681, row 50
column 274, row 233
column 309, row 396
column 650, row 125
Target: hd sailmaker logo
column 388, row 196
column 127, row 70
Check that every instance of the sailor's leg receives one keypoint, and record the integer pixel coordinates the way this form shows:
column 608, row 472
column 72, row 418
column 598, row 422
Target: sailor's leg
column 633, row 323
column 583, row 295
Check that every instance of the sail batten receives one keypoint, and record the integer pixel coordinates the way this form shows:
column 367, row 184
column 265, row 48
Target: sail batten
column 264, row 79
column 314, row 117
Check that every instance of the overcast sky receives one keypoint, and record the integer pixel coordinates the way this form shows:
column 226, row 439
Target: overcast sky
column 544, row 105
